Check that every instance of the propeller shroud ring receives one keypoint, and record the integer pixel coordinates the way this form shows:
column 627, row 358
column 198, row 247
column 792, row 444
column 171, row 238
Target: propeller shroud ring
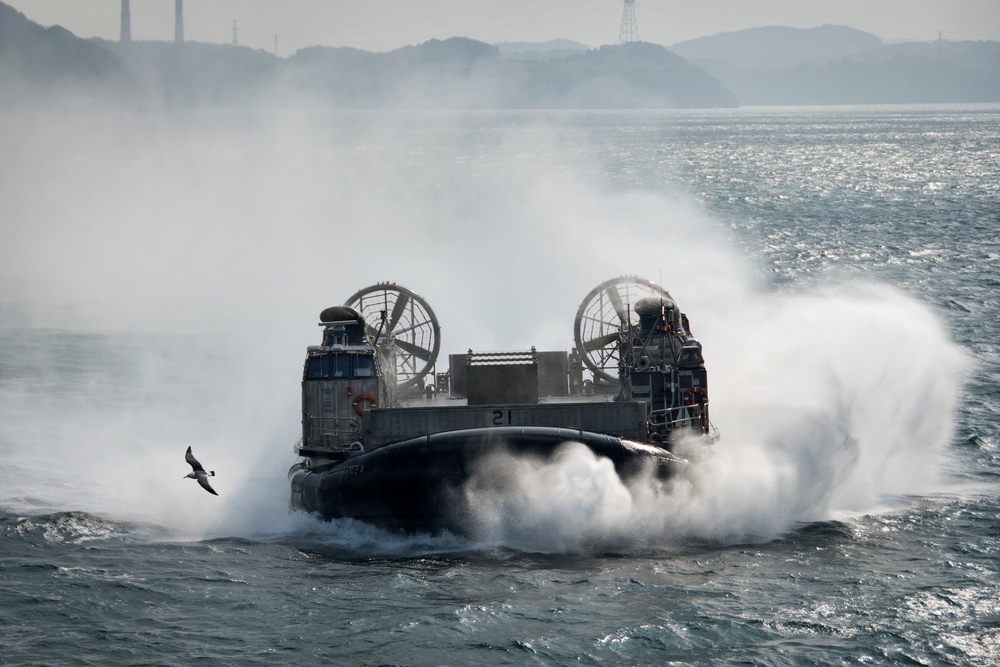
column 601, row 322
column 409, row 325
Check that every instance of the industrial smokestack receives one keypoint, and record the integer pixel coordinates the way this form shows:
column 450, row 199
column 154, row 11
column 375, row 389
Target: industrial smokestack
column 178, row 21
column 126, row 33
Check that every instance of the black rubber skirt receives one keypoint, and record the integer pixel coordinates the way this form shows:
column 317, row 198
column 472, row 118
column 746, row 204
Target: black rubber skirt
column 413, row 485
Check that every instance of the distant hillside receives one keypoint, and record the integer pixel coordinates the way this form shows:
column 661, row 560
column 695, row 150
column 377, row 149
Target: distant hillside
column 778, row 47
column 762, row 66
column 900, row 80
column 193, row 74
column 975, row 56
column 838, row 65
column 466, row 73
column 451, row 73
column 648, row 75
column 47, row 63
column 556, row 48
column 541, row 47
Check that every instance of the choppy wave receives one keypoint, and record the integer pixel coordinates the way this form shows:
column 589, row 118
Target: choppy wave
column 69, row 528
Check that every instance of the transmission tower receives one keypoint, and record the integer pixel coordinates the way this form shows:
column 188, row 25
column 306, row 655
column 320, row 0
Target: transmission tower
column 629, row 31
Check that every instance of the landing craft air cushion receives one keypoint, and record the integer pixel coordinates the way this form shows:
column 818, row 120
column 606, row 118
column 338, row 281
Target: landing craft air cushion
column 387, row 440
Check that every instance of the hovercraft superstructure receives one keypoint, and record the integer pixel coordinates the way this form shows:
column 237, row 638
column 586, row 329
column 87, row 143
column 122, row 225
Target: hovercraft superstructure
column 388, row 439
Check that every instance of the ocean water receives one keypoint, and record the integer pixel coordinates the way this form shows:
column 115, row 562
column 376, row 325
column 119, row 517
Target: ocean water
column 161, row 277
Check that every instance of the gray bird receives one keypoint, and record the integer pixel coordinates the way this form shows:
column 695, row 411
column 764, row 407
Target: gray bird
column 199, row 473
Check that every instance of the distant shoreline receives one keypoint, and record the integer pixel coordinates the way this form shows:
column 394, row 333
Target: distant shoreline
column 829, row 65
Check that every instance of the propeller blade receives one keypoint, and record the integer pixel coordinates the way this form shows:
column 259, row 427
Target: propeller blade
column 397, row 311
column 415, row 350
column 601, row 341
column 616, row 303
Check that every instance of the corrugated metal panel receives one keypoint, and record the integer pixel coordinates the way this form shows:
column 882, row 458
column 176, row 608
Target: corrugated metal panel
column 513, row 383
column 553, row 374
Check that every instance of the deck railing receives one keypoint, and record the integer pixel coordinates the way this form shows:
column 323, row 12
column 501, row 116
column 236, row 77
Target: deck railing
column 694, row 417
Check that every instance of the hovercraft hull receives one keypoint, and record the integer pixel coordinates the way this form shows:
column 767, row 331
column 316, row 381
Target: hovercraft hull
column 416, row 484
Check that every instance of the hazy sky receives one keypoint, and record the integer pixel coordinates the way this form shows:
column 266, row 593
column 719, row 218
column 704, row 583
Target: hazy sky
column 383, row 25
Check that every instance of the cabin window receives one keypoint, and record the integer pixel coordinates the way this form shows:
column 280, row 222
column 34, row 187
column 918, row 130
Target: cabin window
column 316, row 368
column 365, row 368
column 339, row 366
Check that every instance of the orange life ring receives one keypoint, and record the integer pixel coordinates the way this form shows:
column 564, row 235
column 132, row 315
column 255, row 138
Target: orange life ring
column 690, row 393
column 363, row 397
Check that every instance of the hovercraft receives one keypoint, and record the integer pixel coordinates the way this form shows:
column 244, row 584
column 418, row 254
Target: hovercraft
column 389, row 440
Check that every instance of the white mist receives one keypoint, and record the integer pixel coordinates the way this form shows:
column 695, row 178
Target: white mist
column 211, row 240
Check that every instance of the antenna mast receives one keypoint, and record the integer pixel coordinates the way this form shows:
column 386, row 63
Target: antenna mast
column 629, row 31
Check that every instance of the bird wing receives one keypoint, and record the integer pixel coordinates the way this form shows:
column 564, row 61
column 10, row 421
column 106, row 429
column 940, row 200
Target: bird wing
column 203, row 480
column 189, row 457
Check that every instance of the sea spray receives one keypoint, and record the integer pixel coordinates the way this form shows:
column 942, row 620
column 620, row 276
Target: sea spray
column 828, row 402
column 570, row 499
column 227, row 249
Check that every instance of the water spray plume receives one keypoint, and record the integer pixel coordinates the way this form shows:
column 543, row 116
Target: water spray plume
column 204, row 259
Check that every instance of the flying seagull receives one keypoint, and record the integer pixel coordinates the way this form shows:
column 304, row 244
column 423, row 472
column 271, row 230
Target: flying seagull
column 199, row 473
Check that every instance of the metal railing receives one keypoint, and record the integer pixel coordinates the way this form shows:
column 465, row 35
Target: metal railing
column 693, row 417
